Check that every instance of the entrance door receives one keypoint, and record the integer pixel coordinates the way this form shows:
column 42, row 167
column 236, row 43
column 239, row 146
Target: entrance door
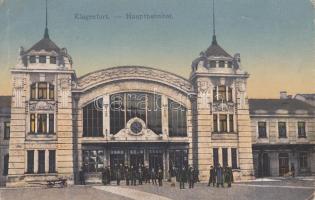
column 117, row 158
column 178, row 160
column 156, row 161
column 264, row 165
column 136, row 157
column 283, row 164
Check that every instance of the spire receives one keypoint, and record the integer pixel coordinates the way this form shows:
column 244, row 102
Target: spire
column 214, row 38
column 46, row 35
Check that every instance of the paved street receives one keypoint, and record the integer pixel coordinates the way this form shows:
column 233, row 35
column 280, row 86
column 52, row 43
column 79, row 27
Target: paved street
column 262, row 190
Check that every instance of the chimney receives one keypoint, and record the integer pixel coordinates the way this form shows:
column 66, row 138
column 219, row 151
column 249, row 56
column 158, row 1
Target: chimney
column 283, row 95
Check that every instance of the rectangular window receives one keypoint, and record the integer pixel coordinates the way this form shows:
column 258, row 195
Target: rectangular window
column 42, row 59
column 231, row 122
column 303, row 160
column 215, row 95
column 52, row 161
column 32, row 59
column 30, row 162
column 33, row 91
column 117, row 113
column 222, row 93
column 215, row 123
column 41, row 161
column 32, row 123
column 234, row 158
column 93, row 160
column 282, row 129
column 53, row 60
column 225, row 157
column 5, row 165
column 177, row 120
column 154, row 113
column 223, row 123
column 6, row 130
column 42, row 90
column 51, row 123
column 301, row 130
column 262, row 130
column 41, row 123
column 93, row 119
column 221, row 64
column 215, row 157
column 230, row 94
column 51, row 91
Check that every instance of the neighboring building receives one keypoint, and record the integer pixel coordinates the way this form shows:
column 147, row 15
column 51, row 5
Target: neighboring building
column 133, row 115
column 283, row 135
column 5, row 111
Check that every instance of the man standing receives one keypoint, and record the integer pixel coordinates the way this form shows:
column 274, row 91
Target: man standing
column 191, row 177
column 228, row 176
column 153, row 176
column 160, row 176
column 140, row 174
column 82, row 176
column 118, row 174
column 182, row 178
column 219, row 175
column 127, row 174
column 133, row 175
column 104, row 177
column 212, row 176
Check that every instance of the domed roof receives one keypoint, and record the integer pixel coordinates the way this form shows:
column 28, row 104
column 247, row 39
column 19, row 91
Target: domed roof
column 216, row 50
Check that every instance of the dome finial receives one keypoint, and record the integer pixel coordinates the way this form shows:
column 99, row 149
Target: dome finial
column 46, row 35
column 214, row 38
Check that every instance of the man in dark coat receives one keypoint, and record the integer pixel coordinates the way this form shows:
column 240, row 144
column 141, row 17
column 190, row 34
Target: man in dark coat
column 182, row 177
column 108, row 175
column 160, row 176
column 82, row 176
column 127, row 175
column 133, row 175
column 212, row 176
column 219, row 176
column 146, row 174
column 119, row 174
column 196, row 174
column 140, row 174
column 153, row 176
column 191, row 177
column 104, row 181
column 229, row 176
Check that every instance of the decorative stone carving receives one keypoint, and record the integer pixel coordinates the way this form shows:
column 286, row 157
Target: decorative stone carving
column 133, row 72
column 223, row 107
column 42, row 105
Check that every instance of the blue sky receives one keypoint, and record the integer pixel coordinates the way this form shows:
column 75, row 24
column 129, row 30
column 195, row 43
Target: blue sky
column 275, row 37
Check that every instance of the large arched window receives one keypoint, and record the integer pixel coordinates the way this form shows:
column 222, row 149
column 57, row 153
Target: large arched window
column 177, row 123
column 93, row 119
column 126, row 106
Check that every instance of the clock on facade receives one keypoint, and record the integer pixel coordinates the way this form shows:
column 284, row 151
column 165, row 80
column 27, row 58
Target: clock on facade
column 136, row 127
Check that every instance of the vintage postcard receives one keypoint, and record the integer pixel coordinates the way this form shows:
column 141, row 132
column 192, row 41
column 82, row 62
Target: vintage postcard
column 157, row 99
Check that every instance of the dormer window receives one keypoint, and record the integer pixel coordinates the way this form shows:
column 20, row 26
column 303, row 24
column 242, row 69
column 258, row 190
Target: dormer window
column 42, row 59
column 42, row 90
column 221, row 64
column 230, row 64
column 213, row 64
column 32, row 59
column 222, row 93
column 53, row 60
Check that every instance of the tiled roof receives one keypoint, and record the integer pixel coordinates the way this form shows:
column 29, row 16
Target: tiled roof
column 45, row 44
column 5, row 104
column 271, row 106
column 217, row 51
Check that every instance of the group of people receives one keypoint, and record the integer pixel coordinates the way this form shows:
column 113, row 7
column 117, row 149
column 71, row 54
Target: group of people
column 140, row 174
column 188, row 175
column 220, row 175
column 133, row 175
